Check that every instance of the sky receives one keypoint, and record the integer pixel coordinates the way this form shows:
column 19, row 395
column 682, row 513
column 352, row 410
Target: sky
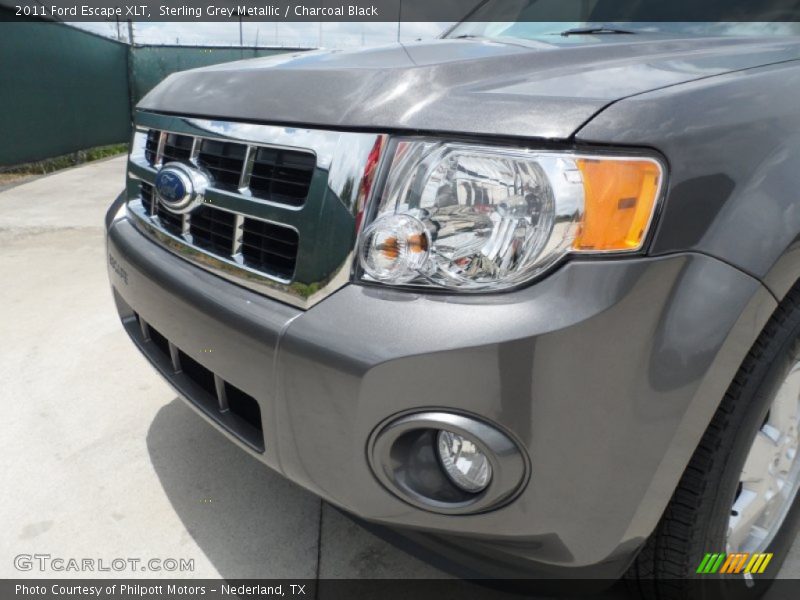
column 306, row 35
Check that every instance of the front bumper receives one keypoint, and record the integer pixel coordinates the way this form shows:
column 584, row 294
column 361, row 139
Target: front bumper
column 607, row 372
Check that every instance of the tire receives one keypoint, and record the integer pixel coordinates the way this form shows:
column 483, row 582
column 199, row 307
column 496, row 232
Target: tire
column 696, row 520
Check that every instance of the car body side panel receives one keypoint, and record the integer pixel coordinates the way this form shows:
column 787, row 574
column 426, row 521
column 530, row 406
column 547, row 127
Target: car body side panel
column 733, row 147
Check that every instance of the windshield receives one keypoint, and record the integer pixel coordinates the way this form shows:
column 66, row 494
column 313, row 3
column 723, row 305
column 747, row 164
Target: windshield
column 529, row 19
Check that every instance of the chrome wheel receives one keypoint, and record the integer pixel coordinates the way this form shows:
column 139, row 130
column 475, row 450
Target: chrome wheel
column 770, row 478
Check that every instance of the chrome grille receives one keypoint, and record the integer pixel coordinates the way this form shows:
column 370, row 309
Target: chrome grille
column 259, row 245
column 274, row 174
column 280, row 212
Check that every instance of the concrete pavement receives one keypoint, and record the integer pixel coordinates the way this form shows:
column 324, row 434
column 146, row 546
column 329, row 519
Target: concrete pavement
column 98, row 457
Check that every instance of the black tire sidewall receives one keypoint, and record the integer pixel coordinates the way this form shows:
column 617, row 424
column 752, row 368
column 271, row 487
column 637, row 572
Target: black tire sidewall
column 750, row 408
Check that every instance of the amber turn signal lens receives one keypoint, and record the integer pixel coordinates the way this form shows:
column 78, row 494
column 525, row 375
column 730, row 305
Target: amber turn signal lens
column 417, row 243
column 390, row 247
column 620, row 198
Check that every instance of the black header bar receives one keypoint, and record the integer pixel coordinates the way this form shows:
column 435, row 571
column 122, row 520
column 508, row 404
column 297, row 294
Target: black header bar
column 407, row 10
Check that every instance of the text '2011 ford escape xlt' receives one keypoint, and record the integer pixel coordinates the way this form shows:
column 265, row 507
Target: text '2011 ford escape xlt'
column 530, row 298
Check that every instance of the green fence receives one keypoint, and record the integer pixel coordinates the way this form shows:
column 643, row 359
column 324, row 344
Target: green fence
column 64, row 89
column 61, row 90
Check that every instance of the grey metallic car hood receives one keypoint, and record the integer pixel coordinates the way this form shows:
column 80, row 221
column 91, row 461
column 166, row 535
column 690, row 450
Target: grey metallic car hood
column 544, row 89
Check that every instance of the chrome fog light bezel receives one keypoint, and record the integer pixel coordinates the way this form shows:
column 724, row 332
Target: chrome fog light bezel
column 403, row 456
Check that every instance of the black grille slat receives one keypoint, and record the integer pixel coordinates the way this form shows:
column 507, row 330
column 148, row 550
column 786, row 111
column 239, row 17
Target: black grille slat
column 286, row 158
column 267, row 256
column 213, row 230
column 216, row 243
column 206, row 228
column 270, row 230
column 213, row 217
column 177, row 147
column 218, row 170
column 169, row 221
column 274, row 265
column 169, row 157
column 151, row 146
column 263, row 182
column 292, row 182
column 250, row 240
column 146, row 193
column 224, row 160
column 279, row 242
column 282, row 175
column 268, row 247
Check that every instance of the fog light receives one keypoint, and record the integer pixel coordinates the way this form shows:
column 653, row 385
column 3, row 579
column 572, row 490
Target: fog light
column 464, row 463
column 447, row 463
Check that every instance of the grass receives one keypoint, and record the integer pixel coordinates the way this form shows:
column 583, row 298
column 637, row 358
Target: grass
column 51, row 165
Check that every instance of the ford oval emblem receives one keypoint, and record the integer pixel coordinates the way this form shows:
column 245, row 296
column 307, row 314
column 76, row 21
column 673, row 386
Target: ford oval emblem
column 180, row 188
column 171, row 186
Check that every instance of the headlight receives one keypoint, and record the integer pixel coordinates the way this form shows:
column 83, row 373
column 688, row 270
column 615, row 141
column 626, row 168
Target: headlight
column 469, row 217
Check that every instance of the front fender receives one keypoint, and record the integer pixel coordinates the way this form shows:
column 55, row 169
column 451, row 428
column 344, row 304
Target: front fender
column 733, row 146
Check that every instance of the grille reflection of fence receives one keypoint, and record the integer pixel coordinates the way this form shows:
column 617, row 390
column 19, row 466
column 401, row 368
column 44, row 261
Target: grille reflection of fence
column 63, row 89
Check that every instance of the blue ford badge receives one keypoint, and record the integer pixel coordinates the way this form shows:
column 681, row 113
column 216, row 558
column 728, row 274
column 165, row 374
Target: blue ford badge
column 179, row 187
column 170, row 186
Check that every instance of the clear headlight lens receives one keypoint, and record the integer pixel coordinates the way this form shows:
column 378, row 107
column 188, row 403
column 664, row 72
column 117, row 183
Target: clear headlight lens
column 464, row 463
column 469, row 217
